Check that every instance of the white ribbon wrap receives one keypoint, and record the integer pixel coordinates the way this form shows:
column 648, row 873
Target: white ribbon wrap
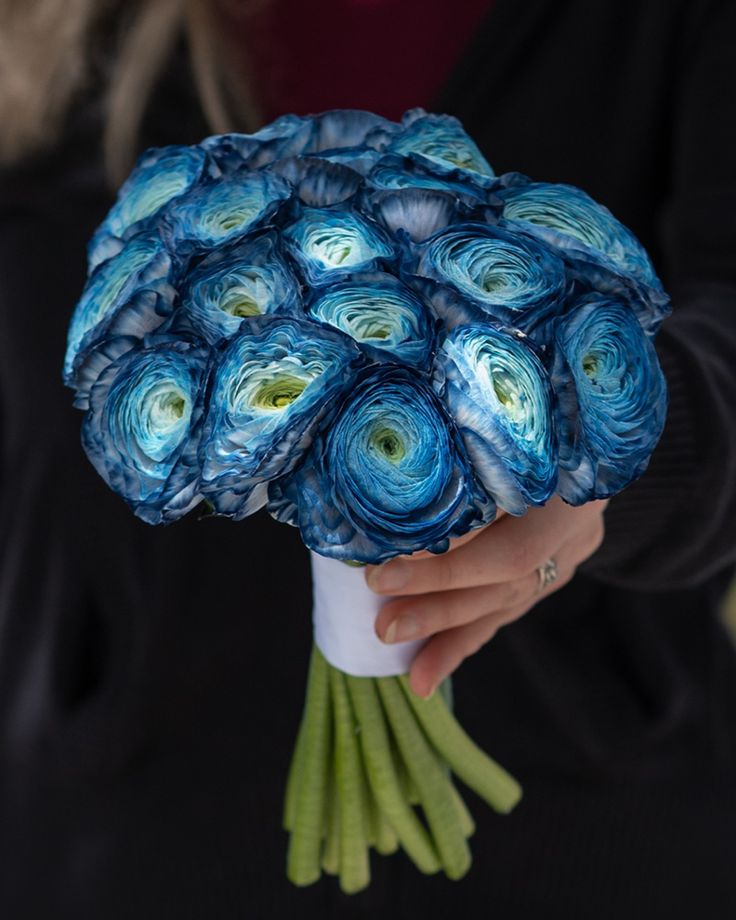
column 344, row 615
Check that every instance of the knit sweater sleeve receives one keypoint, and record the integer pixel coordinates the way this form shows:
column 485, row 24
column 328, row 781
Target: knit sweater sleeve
column 677, row 525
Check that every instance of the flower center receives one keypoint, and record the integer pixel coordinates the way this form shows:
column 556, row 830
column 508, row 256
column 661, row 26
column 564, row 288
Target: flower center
column 491, row 281
column 388, row 443
column 167, row 408
column 590, row 365
column 331, row 251
column 510, row 393
column 372, row 331
column 280, row 392
column 233, row 220
column 240, row 304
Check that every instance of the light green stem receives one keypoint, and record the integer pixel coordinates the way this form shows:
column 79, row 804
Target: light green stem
column 472, row 765
column 331, row 843
column 382, row 776
column 430, row 779
column 368, row 806
column 293, row 780
column 408, row 789
column 466, row 819
column 354, row 865
column 445, row 688
column 386, row 839
column 304, row 855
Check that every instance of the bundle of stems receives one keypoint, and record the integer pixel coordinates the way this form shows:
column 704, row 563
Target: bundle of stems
column 372, row 767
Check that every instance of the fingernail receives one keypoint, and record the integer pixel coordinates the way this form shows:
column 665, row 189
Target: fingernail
column 402, row 629
column 388, row 577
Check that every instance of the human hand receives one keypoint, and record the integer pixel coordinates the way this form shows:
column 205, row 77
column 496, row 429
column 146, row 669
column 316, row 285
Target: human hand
column 487, row 579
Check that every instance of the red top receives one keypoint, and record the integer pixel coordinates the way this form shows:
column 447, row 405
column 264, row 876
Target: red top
column 382, row 55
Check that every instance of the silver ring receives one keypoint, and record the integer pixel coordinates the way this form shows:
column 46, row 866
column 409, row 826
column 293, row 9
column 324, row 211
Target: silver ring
column 547, row 575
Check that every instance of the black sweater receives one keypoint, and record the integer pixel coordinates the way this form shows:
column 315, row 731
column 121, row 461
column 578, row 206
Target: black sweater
column 151, row 679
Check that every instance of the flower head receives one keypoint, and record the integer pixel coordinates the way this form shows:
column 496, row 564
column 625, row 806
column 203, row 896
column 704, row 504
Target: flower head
column 222, row 211
column 389, row 475
column 612, row 398
column 250, row 278
column 500, row 397
column 328, row 243
column 160, row 175
column 485, row 272
column 381, row 314
column 271, row 387
column 440, row 142
column 110, row 296
column 598, row 248
column 143, row 423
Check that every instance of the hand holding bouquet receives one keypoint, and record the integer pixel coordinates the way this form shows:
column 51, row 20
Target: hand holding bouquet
column 356, row 325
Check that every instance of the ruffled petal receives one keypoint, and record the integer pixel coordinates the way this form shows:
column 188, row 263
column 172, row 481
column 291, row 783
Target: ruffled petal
column 385, row 317
column 271, row 387
column 143, row 423
column 389, row 476
column 500, row 397
column 612, row 398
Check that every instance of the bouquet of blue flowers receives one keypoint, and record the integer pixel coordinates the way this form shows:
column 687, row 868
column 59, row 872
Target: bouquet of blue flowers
column 357, row 325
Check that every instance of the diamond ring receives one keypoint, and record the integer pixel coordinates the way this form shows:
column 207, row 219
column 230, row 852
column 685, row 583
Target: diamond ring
column 547, row 574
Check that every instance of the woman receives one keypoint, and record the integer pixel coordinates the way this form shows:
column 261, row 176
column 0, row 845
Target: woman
column 151, row 678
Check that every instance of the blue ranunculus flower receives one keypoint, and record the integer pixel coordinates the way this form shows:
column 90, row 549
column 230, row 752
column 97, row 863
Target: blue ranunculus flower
column 111, row 296
column 396, row 172
column 331, row 242
column 389, row 476
column 286, row 136
column 440, row 143
column 612, row 398
column 486, row 272
column 360, row 159
column 338, row 129
column 222, row 211
column 248, row 279
column 160, row 175
column 383, row 315
column 415, row 212
column 598, row 248
column 317, row 181
column 143, row 423
column 147, row 311
column 500, row 397
column 272, row 385
column 357, row 323
column 326, row 134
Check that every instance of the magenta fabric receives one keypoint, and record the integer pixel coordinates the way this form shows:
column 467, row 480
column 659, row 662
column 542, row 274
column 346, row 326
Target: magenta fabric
column 383, row 55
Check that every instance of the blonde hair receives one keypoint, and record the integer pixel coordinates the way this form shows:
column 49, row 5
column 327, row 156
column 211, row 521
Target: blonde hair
column 45, row 52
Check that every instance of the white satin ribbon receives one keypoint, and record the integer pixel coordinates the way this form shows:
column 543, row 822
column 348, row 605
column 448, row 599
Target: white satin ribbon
column 344, row 615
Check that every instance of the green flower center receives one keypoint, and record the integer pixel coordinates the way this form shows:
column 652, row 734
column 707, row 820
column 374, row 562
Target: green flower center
column 166, row 407
column 331, row 251
column 590, row 365
column 388, row 443
column 240, row 304
column 372, row 331
column 459, row 158
column 492, row 281
column 280, row 392
column 234, row 219
column 176, row 406
column 505, row 389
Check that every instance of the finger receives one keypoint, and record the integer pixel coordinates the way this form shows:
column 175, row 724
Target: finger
column 419, row 616
column 447, row 650
column 512, row 548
